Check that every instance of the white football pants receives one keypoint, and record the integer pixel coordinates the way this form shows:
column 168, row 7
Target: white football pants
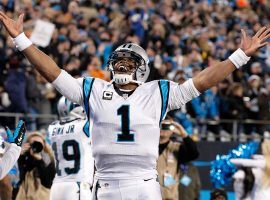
column 140, row 189
column 70, row 191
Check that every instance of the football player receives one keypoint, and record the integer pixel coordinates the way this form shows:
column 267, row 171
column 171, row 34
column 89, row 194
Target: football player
column 10, row 150
column 70, row 142
column 124, row 115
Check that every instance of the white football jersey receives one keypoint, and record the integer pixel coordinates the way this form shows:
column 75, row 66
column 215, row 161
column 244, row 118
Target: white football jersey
column 125, row 130
column 72, row 150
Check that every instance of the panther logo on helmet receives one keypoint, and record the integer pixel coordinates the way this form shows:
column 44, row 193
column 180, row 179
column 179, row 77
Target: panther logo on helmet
column 68, row 109
column 129, row 64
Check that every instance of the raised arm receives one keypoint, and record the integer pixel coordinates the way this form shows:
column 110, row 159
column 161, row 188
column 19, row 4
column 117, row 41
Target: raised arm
column 43, row 63
column 62, row 81
column 216, row 73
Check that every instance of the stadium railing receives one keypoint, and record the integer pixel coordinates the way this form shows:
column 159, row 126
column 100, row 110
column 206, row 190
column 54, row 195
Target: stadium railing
column 234, row 123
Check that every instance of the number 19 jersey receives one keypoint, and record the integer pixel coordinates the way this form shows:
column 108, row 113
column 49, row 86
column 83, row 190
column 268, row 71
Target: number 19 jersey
column 72, row 150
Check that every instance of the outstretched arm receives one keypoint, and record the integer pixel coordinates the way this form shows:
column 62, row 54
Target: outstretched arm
column 9, row 159
column 43, row 63
column 216, row 73
column 248, row 162
column 64, row 83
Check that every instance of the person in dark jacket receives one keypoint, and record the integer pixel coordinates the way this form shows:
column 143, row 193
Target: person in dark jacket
column 171, row 155
column 264, row 105
column 236, row 105
column 37, row 169
column 15, row 85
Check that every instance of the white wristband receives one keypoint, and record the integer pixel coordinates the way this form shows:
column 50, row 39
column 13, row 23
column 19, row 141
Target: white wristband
column 22, row 42
column 239, row 58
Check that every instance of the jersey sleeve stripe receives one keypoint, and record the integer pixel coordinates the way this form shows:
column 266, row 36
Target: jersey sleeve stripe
column 164, row 87
column 86, row 128
column 87, row 87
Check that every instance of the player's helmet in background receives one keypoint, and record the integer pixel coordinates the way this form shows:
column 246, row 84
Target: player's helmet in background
column 136, row 53
column 68, row 109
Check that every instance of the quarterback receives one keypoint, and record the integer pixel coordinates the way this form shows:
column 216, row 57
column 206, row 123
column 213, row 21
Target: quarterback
column 124, row 115
column 72, row 151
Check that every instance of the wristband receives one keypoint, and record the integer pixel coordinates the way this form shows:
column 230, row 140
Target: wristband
column 22, row 42
column 239, row 58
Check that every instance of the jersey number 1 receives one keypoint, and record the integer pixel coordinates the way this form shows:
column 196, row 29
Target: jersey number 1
column 125, row 136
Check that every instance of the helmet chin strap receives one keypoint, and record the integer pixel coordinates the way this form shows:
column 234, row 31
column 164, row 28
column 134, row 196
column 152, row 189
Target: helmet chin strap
column 124, row 79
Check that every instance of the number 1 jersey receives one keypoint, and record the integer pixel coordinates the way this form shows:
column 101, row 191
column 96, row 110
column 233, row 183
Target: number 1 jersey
column 125, row 130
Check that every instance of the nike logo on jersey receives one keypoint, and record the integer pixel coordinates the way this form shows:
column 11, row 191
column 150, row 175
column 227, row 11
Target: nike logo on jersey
column 107, row 95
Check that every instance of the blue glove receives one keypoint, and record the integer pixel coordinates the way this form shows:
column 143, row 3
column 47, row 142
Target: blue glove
column 18, row 135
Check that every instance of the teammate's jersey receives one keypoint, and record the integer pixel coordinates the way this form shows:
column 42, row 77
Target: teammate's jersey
column 8, row 158
column 72, row 150
column 125, row 130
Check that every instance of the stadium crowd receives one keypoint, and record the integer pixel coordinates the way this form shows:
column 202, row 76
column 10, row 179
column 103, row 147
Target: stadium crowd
column 180, row 37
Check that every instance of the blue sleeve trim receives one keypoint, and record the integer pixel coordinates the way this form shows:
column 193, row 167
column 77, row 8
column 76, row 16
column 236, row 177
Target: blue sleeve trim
column 87, row 88
column 86, row 128
column 164, row 87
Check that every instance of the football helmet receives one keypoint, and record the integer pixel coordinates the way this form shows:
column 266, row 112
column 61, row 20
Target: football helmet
column 68, row 109
column 140, row 70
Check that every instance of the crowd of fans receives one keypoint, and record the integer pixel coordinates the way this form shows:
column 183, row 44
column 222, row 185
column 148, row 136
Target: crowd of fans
column 180, row 37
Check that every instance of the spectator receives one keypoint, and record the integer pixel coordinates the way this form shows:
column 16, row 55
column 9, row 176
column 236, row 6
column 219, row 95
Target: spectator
column 256, row 69
column 264, row 105
column 37, row 168
column 47, row 94
column 171, row 155
column 206, row 107
column 15, row 85
column 251, row 103
column 237, row 109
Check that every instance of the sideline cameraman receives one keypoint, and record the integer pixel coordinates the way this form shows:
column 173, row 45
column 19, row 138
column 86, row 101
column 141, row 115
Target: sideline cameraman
column 37, row 169
column 171, row 156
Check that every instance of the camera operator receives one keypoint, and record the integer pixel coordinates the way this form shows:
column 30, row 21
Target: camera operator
column 37, row 169
column 171, row 155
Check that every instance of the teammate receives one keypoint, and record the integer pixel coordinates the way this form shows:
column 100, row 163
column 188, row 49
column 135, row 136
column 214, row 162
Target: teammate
column 73, row 154
column 125, row 114
column 10, row 151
